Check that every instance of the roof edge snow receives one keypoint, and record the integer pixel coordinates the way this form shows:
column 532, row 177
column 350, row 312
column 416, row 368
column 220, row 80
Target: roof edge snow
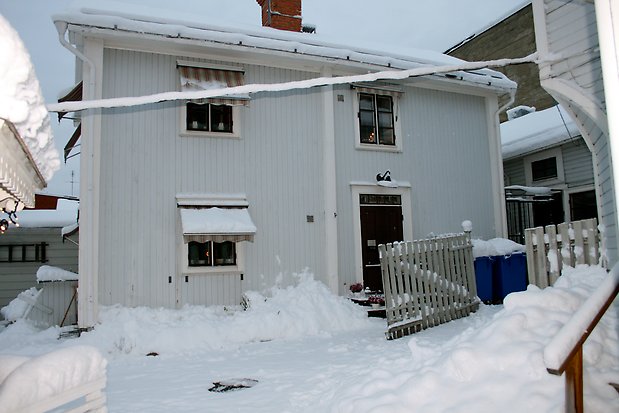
column 269, row 41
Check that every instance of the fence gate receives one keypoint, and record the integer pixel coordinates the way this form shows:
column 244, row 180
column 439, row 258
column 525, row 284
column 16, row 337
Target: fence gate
column 427, row 283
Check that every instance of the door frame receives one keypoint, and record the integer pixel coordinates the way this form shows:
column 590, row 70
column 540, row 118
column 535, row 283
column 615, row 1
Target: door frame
column 404, row 190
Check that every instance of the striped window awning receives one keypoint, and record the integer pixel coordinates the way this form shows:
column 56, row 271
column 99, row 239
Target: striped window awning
column 380, row 89
column 217, row 224
column 200, row 78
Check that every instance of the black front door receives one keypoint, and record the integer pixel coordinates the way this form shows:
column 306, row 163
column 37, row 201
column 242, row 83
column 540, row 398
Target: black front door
column 381, row 223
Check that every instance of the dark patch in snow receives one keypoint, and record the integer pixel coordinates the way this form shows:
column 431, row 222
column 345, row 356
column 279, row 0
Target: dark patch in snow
column 232, row 384
column 153, row 354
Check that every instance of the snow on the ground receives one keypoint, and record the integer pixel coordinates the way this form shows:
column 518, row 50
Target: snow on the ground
column 313, row 352
column 496, row 246
column 21, row 101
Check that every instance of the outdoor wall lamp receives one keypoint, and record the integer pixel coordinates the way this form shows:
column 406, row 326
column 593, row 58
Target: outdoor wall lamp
column 384, row 177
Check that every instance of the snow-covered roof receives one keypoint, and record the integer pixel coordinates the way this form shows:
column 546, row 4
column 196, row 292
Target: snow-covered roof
column 21, row 101
column 129, row 20
column 536, row 131
column 64, row 215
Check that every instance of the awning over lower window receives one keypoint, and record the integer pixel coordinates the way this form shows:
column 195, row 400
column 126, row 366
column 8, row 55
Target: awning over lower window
column 217, row 224
column 199, row 78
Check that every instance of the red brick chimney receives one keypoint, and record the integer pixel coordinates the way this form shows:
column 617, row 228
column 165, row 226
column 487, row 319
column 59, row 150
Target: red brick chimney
column 281, row 14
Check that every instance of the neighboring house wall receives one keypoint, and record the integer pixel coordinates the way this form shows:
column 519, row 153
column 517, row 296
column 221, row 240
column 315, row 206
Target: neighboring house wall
column 18, row 276
column 510, row 38
column 568, row 29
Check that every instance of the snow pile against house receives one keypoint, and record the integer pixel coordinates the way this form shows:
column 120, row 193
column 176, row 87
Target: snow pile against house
column 21, row 101
column 501, row 365
column 307, row 309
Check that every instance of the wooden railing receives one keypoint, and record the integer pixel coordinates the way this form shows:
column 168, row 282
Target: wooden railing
column 551, row 248
column 564, row 353
column 427, row 283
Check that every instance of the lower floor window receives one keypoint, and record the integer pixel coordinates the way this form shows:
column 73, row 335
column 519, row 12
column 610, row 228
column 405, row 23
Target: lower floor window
column 210, row 253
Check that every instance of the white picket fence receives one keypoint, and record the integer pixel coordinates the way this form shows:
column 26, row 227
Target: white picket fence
column 427, row 283
column 551, row 248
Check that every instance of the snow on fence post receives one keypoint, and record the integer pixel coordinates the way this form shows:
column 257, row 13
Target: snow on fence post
column 551, row 248
column 427, row 283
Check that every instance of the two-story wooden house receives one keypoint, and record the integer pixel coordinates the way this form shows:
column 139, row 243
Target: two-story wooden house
column 196, row 201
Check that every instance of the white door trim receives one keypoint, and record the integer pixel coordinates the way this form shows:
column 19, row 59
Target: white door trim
column 407, row 225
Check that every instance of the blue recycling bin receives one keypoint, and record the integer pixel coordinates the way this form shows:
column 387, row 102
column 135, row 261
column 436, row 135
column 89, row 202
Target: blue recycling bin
column 484, row 277
column 510, row 274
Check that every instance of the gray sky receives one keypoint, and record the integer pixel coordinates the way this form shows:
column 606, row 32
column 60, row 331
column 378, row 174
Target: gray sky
column 400, row 24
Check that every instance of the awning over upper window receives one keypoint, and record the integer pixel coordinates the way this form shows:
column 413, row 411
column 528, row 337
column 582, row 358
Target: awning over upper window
column 199, row 78
column 390, row 90
column 217, row 224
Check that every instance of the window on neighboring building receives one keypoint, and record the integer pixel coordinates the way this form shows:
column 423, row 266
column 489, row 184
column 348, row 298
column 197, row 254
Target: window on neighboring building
column 583, row 205
column 544, row 169
column 209, row 253
column 376, row 119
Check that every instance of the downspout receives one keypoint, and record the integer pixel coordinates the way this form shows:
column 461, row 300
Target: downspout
column 88, row 306
column 61, row 28
column 501, row 220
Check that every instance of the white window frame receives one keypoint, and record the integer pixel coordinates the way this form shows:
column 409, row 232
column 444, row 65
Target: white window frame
column 215, row 269
column 397, row 129
column 550, row 153
column 210, row 200
column 236, row 125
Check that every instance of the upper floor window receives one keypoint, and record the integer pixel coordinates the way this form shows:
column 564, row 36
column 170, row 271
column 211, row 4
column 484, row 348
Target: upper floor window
column 217, row 116
column 377, row 124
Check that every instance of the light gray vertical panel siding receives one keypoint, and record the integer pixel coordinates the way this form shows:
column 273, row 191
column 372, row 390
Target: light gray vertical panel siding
column 277, row 164
column 16, row 277
column 513, row 170
column 137, row 183
column 572, row 32
column 445, row 157
column 577, row 164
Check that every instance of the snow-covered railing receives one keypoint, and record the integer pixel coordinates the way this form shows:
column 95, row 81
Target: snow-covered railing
column 427, row 283
column 551, row 248
column 564, row 352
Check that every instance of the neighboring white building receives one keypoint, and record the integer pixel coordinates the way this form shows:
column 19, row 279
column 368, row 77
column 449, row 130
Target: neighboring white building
column 545, row 149
column 566, row 33
column 27, row 154
column 196, row 202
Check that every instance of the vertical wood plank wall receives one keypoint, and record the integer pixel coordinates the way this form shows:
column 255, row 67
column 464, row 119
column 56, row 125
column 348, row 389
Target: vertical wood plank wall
column 572, row 32
column 445, row 145
column 277, row 163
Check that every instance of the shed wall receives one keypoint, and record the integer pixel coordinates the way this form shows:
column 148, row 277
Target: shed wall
column 16, row 277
